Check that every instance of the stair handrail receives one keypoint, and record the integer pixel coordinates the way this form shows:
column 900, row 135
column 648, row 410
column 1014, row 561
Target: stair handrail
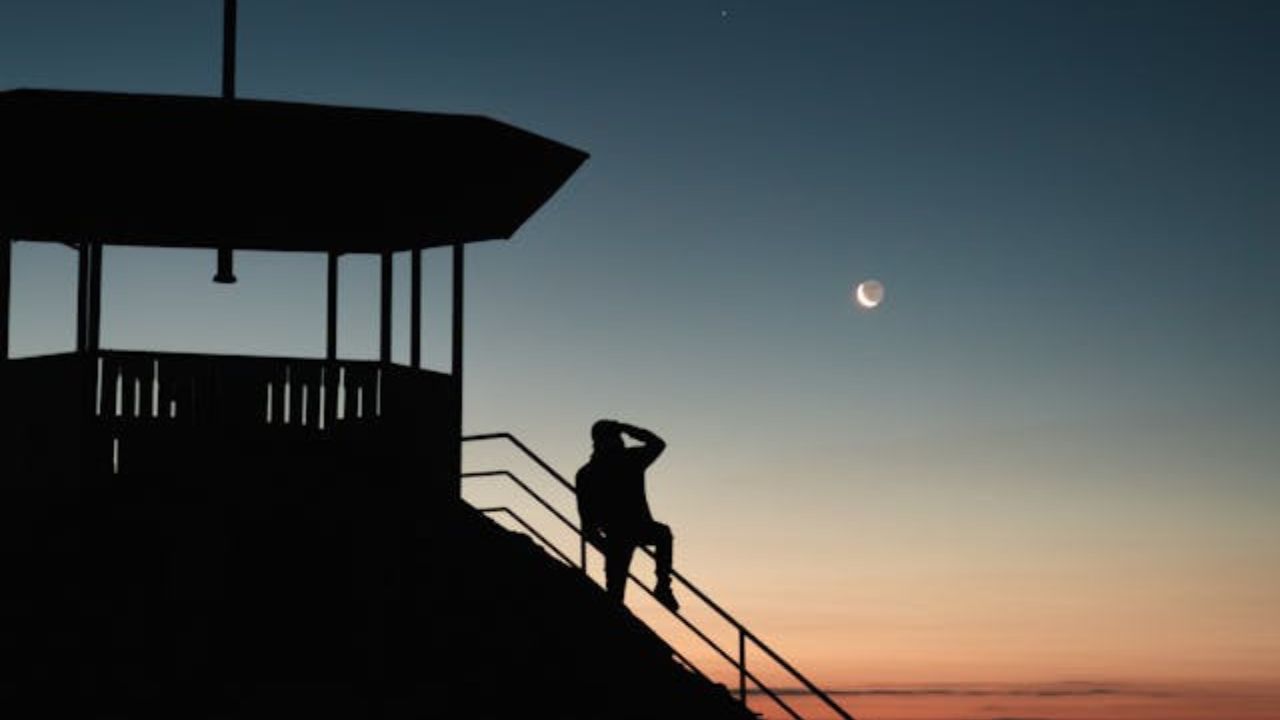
column 503, row 510
column 740, row 665
column 744, row 634
column 546, row 467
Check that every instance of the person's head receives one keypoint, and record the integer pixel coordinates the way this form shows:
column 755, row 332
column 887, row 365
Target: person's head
column 606, row 436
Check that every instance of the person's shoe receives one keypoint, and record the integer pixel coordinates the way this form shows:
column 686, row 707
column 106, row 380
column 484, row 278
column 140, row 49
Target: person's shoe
column 666, row 597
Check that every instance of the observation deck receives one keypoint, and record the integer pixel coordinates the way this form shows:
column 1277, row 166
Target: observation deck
column 88, row 170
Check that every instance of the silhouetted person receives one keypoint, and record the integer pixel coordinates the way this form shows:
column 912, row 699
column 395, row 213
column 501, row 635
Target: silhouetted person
column 614, row 510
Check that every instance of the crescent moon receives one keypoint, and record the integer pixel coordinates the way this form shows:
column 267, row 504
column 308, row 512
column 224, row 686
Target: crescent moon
column 864, row 298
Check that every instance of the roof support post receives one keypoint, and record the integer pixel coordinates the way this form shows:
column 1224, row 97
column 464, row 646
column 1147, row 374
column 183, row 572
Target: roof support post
column 456, row 367
column 6, row 257
column 384, row 335
column 82, row 297
column 415, row 309
column 89, row 297
column 331, row 309
column 329, row 403
column 455, row 472
column 93, row 339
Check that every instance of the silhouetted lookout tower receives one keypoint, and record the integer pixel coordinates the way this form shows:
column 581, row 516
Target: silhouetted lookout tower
column 91, row 169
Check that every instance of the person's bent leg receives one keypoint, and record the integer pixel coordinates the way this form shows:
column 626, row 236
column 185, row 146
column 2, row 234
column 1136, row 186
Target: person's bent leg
column 617, row 567
column 659, row 536
column 661, row 539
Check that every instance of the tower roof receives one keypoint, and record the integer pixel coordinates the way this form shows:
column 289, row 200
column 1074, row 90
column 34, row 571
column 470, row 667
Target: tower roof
column 183, row 171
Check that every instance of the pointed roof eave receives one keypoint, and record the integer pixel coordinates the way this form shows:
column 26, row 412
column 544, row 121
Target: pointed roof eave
column 182, row 171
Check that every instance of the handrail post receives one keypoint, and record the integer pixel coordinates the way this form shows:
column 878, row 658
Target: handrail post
column 742, row 665
column 582, row 552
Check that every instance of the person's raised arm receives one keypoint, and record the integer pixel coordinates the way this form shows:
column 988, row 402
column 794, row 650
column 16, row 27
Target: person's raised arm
column 652, row 445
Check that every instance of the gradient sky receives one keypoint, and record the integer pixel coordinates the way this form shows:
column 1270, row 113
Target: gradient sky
column 1050, row 455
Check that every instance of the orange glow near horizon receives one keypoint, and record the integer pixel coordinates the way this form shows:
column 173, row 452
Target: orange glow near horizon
column 1087, row 701
column 885, row 588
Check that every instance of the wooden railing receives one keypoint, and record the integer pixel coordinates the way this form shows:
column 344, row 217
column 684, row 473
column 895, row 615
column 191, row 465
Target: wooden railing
column 189, row 389
column 118, row 412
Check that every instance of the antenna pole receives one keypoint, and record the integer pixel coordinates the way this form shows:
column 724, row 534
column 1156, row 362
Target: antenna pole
column 226, row 260
column 228, row 49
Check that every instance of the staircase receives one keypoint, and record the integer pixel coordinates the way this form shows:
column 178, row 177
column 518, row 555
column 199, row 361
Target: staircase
column 749, row 681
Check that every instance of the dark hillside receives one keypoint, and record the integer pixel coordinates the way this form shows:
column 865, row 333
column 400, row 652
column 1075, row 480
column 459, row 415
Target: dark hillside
column 128, row 603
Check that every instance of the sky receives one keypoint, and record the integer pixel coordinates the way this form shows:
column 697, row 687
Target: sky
column 1049, row 456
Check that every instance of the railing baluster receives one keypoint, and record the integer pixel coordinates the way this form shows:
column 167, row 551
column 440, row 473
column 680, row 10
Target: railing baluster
column 742, row 665
column 297, row 385
column 117, row 391
column 330, row 375
column 149, row 388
